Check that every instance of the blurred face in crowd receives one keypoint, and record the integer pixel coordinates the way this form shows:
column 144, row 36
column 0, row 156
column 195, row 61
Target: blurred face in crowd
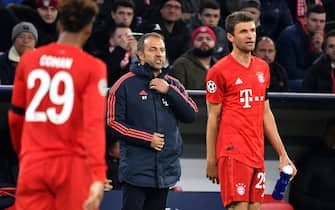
column 203, row 45
column 24, row 42
column 254, row 11
column 123, row 15
column 330, row 48
column 317, row 41
column 120, row 34
column 266, row 50
column 171, row 11
column 154, row 53
column 209, row 17
column 48, row 14
column 244, row 37
column 315, row 22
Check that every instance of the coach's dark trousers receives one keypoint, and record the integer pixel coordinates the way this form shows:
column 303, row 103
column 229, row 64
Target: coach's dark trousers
column 143, row 198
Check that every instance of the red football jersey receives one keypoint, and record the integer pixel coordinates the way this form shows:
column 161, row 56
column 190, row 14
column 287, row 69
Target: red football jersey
column 242, row 92
column 62, row 91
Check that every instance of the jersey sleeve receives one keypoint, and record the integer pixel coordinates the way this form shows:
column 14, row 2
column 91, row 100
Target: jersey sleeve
column 214, row 86
column 17, row 109
column 94, row 103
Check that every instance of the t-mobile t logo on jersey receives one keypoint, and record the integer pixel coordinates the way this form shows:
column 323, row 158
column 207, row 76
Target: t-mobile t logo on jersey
column 246, row 97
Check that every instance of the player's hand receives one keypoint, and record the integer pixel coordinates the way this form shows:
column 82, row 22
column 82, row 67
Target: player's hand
column 108, row 185
column 159, row 84
column 283, row 161
column 96, row 194
column 157, row 141
column 212, row 171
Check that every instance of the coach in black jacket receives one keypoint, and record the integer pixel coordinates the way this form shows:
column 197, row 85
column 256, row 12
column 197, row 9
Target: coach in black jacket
column 144, row 107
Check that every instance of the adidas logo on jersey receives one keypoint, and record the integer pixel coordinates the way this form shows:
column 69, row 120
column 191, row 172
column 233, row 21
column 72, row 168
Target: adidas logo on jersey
column 238, row 81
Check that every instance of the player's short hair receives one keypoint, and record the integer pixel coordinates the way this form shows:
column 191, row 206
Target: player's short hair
column 74, row 15
column 237, row 17
column 140, row 43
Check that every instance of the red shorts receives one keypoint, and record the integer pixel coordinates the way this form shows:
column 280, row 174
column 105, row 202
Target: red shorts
column 53, row 184
column 239, row 182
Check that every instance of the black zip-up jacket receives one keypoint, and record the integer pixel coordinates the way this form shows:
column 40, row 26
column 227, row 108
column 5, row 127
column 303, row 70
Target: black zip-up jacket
column 135, row 112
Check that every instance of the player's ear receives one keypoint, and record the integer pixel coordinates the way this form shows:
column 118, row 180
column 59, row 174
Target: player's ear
column 230, row 37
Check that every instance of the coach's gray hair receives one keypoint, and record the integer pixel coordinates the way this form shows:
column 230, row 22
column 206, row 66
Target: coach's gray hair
column 140, row 44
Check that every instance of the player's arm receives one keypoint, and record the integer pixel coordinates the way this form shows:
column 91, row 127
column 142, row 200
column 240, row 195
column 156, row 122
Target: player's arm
column 16, row 111
column 94, row 106
column 214, row 113
column 271, row 132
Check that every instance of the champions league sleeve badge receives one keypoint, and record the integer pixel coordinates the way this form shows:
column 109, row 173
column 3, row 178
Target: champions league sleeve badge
column 211, row 86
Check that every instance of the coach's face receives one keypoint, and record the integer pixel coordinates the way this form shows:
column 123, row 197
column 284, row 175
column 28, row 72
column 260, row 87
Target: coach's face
column 244, row 36
column 154, row 52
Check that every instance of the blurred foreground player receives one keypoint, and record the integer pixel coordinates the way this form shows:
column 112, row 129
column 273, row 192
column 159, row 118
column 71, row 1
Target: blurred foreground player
column 239, row 115
column 57, row 118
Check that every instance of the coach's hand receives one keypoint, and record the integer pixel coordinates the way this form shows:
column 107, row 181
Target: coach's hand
column 159, row 84
column 212, row 171
column 95, row 196
column 157, row 141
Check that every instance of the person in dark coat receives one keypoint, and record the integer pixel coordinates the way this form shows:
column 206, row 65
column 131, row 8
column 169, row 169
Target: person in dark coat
column 170, row 24
column 144, row 108
column 266, row 49
column 24, row 38
column 320, row 77
column 191, row 68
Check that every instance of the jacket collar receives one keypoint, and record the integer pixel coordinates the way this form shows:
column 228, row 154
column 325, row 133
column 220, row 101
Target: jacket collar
column 146, row 71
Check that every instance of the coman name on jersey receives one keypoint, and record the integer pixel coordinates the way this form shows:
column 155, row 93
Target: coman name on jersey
column 56, row 62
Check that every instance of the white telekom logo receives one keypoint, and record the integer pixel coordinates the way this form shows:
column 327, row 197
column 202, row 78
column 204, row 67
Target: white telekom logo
column 246, row 97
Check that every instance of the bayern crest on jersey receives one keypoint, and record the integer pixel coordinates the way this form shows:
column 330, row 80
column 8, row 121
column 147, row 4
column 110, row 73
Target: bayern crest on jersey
column 260, row 77
column 211, row 86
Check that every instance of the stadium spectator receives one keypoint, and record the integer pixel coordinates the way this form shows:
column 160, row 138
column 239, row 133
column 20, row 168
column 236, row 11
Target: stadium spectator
column 314, row 187
column 227, row 7
column 320, row 77
column 7, row 21
column 299, row 8
column 294, row 48
column 209, row 15
column 191, row 68
column 275, row 17
column 122, row 12
column 266, row 49
column 42, row 14
column 254, row 7
column 24, row 38
column 239, row 115
column 56, row 118
column 144, row 107
column 120, row 53
column 46, row 26
column 169, row 23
